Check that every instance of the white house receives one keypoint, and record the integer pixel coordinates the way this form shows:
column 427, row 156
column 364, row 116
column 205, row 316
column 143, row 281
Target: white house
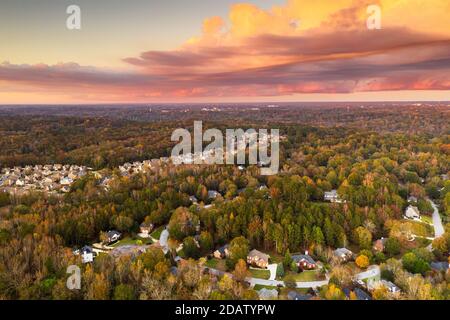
column 113, row 236
column 87, row 254
column 392, row 288
column 66, row 181
column 412, row 213
column 332, row 196
column 212, row 194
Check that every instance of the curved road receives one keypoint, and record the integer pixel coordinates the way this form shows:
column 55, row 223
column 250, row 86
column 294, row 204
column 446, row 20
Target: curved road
column 274, row 283
column 437, row 222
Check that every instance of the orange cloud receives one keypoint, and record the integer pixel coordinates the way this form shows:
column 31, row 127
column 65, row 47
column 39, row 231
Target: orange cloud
column 301, row 47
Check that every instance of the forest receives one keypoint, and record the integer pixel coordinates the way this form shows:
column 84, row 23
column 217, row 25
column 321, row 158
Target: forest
column 375, row 156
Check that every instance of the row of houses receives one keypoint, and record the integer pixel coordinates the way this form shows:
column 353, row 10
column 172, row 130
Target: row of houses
column 261, row 260
column 56, row 177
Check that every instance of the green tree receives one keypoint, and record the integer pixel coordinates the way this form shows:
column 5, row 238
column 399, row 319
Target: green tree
column 392, row 246
column 287, row 259
column 190, row 248
column 124, row 292
column 414, row 264
column 280, row 270
column 364, row 237
column 206, row 241
column 239, row 248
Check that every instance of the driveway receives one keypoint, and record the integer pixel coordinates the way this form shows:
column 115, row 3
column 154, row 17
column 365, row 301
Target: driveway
column 273, row 271
column 371, row 272
column 437, row 222
column 163, row 240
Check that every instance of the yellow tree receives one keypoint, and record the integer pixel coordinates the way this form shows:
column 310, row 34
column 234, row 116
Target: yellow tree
column 362, row 261
column 240, row 270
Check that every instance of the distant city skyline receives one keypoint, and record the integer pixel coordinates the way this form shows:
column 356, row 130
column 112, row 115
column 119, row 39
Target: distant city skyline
column 223, row 51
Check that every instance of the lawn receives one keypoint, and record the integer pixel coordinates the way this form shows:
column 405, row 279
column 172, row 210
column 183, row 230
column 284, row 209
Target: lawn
column 130, row 241
column 157, row 232
column 422, row 242
column 421, row 229
column 308, row 275
column 426, row 219
column 260, row 286
column 260, row 273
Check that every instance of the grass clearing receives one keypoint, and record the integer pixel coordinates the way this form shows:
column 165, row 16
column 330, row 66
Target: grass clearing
column 130, row 241
column 305, row 276
column 260, row 286
column 260, row 273
column 426, row 219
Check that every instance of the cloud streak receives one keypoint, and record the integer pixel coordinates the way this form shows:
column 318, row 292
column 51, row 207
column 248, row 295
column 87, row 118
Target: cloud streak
column 250, row 59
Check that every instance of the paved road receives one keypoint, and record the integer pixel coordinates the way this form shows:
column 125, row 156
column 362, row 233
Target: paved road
column 437, row 222
column 273, row 283
column 163, row 240
column 372, row 272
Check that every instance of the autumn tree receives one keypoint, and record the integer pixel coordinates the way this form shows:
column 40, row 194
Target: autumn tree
column 240, row 270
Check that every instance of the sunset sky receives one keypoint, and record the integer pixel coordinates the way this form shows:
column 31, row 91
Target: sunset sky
column 223, row 51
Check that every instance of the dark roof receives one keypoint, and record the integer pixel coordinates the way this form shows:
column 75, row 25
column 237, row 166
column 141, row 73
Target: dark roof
column 439, row 265
column 293, row 295
column 222, row 249
column 174, row 270
column 112, row 233
column 146, row 225
column 299, row 257
column 86, row 249
column 360, row 294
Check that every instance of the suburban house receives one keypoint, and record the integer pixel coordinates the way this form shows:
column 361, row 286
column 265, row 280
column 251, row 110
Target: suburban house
column 145, row 228
column 412, row 199
column 439, row 266
column 113, row 236
column 193, row 199
column 257, row 258
column 222, row 252
column 212, row 194
column 343, row 254
column 304, row 261
column 359, row 293
column 87, row 254
column 379, row 244
column 412, row 213
column 268, row 294
column 332, row 196
column 294, row 295
column 369, row 278
column 392, row 288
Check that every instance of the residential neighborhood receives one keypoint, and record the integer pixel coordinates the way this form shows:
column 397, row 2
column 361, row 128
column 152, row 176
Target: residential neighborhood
column 54, row 178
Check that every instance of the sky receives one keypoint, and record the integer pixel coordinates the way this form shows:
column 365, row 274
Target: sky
column 143, row 51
